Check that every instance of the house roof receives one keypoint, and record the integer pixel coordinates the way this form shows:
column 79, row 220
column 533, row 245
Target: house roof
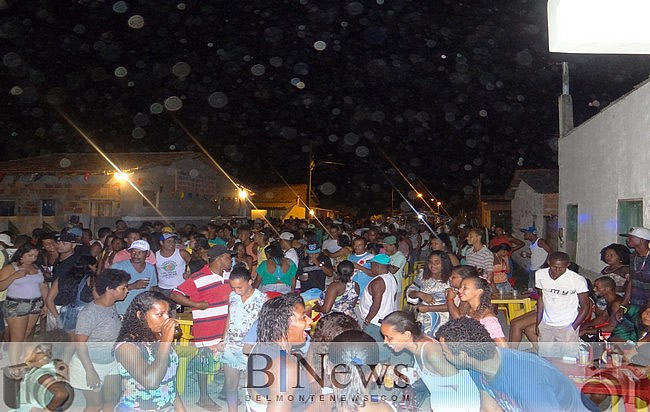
column 281, row 196
column 540, row 180
column 92, row 163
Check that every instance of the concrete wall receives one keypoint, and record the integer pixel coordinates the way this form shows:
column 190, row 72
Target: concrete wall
column 71, row 195
column 604, row 160
column 527, row 209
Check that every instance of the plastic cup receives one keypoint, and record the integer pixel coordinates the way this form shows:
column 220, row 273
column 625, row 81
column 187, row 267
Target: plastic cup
column 583, row 357
column 617, row 360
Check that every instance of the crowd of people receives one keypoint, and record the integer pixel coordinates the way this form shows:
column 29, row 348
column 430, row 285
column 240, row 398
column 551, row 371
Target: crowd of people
column 260, row 289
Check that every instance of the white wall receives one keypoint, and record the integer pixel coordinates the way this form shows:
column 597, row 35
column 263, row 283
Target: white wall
column 524, row 206
column 604, row 160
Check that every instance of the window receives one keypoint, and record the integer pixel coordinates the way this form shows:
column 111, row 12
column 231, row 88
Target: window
column 152, row 195
column 7, row 208
column 48, row 207
column 630, row 214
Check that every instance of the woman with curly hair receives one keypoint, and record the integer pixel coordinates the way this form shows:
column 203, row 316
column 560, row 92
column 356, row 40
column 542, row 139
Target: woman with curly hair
column 282, row 325
column 477, row 292
column 26, row 290
column 146, row 361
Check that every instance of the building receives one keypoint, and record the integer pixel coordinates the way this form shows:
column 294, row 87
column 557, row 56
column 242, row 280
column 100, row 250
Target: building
column 495, row 210
column 182, row 187
column 533, row 195
column 604, row 178
column 286, row 202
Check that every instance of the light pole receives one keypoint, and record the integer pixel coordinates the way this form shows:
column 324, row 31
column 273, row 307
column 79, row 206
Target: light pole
column 438, row 204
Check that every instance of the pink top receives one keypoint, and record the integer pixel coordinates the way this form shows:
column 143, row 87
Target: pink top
column 492, row 325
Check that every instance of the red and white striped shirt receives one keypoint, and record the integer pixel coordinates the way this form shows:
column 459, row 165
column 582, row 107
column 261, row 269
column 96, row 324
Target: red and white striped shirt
column 209, row 324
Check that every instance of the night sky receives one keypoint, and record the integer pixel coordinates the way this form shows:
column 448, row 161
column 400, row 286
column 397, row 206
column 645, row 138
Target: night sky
column 450, row 90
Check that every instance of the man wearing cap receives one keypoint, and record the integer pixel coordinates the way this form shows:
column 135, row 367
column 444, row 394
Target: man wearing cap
column 171, row 263
column 65, row 246
column 539, row 251
column 314, row 268
column 207, row 292
column 397, row 264
column 143, row 274
column 286, row 241
column 130, row 236
column 378, row 300
column 638, row 239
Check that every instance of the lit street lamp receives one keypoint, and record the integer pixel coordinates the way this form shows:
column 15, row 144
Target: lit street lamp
column 438, row 204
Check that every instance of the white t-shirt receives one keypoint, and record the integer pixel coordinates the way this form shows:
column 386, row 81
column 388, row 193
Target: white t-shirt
column 292, row 255
column 560, row 296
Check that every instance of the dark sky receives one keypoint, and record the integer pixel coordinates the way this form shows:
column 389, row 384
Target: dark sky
column 450, row 90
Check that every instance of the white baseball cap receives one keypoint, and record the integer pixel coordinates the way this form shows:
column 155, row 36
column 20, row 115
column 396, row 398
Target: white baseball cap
column 142, row 245
column 286, row 236
column 640, row 232
column 4, row 238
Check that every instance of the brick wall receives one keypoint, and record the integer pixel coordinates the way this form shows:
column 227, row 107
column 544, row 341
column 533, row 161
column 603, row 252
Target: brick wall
column 550, row 204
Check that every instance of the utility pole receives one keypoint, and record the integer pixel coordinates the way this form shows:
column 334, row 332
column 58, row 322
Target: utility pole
column 565, row 103
column 310, row 172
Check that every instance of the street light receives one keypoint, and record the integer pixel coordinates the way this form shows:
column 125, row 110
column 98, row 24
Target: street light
column 598, row 26
column 438, row 204
column 121, row 176
column 242, row 194
column 420, row 195
column 311, row 212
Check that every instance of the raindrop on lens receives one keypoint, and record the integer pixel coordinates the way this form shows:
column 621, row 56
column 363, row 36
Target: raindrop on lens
column 136, row 21
column 121, row 71
column 156, row 108
column 327, row 188
column 173, row 103
column 181, row 69
column 320, row 45
column 194, row 173
column 120, row 7
column 258, row 69
column 218, row 100
column 16, row 90
column 138, row 133
column 65, row 162
column 362, row 151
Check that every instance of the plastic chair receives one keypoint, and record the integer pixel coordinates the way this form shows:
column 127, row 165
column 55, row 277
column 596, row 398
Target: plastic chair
column 185, row 353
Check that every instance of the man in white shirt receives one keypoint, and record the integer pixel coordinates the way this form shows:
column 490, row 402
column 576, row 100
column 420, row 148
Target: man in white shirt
column 286, row 239
column 562, row 305
column 397, row 264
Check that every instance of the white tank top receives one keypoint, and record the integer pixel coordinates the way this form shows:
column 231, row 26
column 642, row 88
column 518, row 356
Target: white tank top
column 27, row 287
column 387, row 299
column 449, row 393
column 537, row 256
column 170, row 270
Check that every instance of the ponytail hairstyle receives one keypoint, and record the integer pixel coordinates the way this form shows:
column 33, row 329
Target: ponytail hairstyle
column 485, row 303
column 403, row 321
